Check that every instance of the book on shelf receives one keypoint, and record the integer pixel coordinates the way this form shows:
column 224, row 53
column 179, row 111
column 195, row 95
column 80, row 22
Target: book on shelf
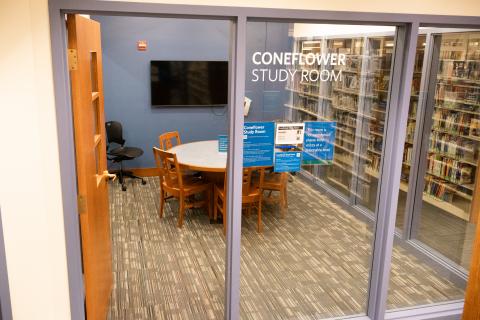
column 454, row 122
column 449, row 169
column 452, row 146
column 475, row 128
column 407, row 155
column 438, row 189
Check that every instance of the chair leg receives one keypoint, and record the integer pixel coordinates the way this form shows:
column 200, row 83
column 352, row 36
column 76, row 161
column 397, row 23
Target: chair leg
column 215, row 207
column 121, row 178
column 249, row 209
column 259, row 226
column 224, row 220
column 209, row 203
column 281, row 202
column 181, row 210
column 224, row 213
column 162, row 202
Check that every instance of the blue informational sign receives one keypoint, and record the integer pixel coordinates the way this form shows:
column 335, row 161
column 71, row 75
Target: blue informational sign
column 222, row 143
column 319, row 142
column 258, row 144
column 288, row 161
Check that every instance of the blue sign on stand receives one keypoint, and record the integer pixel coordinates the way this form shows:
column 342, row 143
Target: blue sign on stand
column 222, row 143
column 258, row 144
column 288, row 161
column 319, row 142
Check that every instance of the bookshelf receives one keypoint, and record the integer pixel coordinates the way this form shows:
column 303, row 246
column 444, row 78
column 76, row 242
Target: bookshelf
column 453, row 157
column 358, row 105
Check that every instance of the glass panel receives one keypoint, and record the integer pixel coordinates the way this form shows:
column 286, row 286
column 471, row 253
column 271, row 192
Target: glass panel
column 450, row 206
column 324, row 89
column 445, row 205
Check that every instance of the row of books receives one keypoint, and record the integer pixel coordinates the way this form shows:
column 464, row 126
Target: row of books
column 345, row 101
column 349, row 82
column 439, row 189
column 452, row 146
column 344, row 140
column 449, row 169
column 458, row 91
column 463, row 107
column 468, row 70
column 474, row 54
column 455, row 122
column 346, row 119
column 307, row 104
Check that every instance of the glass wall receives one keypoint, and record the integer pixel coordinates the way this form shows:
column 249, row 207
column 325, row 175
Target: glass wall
column 441, row 156
column 322, row 89
column 451, row 204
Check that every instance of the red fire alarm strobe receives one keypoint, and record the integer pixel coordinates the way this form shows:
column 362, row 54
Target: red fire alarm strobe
column 142, row 45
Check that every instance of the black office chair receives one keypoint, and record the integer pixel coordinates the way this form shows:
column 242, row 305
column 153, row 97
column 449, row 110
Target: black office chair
column 122, row 153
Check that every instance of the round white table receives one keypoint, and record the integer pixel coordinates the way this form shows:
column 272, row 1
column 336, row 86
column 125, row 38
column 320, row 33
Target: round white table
column 201, row 156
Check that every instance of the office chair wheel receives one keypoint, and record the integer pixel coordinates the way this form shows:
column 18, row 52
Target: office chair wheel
column 144, row 182
column 124, row 187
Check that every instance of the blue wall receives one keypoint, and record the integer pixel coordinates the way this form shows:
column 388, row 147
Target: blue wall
column 268, row 98
column 126, row 76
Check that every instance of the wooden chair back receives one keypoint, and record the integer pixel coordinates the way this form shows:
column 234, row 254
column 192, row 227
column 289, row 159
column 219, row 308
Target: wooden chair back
column 166, row 140
column 169, row 169
column 246, row 181
column 248, row 187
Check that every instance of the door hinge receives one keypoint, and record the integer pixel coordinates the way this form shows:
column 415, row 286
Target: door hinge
column 82, row 204
column 72, row 59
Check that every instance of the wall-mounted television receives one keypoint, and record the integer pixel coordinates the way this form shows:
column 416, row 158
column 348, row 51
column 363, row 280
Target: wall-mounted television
column 189, row 83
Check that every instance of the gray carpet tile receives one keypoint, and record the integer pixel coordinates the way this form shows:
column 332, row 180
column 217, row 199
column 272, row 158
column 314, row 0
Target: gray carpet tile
column 314, row 263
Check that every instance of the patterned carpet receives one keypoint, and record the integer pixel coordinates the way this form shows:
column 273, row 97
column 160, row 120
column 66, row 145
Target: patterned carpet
column 314, row 263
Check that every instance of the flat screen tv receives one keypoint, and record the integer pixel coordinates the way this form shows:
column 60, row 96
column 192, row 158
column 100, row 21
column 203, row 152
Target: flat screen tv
column 189, row 83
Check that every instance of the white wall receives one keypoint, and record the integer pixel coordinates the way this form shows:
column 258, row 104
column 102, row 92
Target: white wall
column 448, row 7
column 29, row 178
column 30, row 193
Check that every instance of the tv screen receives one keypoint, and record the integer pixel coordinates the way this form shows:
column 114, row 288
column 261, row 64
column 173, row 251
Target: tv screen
column 189, row 83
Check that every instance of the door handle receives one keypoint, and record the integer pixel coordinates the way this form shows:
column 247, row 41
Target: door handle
column 107, row 175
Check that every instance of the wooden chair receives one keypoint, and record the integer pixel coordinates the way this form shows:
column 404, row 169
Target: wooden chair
column 276, row 181
column 166, row 140
column 173, row 183
column 251, row 196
